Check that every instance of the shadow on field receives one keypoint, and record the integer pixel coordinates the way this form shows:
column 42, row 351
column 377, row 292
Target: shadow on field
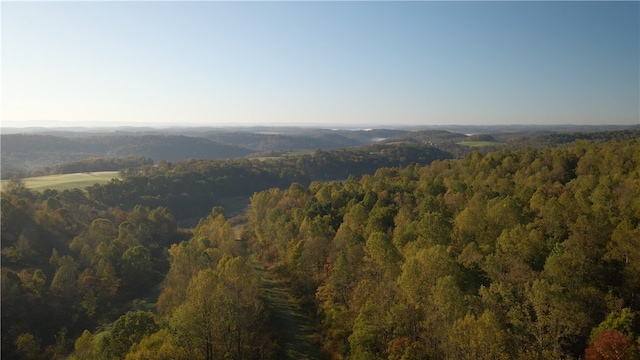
column 294, row 329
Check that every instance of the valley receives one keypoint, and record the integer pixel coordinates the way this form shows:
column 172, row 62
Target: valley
column 403, row 248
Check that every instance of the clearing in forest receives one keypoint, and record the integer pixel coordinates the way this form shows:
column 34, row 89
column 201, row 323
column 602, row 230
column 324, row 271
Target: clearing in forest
column 63, row 182
column 294, row 328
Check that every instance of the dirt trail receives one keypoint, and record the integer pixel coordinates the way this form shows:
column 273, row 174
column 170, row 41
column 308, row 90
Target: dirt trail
column 294, row 328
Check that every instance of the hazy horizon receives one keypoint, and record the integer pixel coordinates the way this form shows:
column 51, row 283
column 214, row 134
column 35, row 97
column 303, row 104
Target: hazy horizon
column 319, row 64
column 364, row 126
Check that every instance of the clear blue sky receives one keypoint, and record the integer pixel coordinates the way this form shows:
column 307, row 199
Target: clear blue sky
column 301, row 63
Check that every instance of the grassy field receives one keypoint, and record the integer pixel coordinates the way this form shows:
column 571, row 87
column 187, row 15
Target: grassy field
column 479, row 143
column 284, row 154
column 295, row 330
column 67, row 181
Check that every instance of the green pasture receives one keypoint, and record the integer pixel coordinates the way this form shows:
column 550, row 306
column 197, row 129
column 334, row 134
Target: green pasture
column 479, row 143
column 284, row 154
column 67, row 181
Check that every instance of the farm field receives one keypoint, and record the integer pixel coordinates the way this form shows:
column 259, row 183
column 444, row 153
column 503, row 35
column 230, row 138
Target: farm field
column 67, row 181
column 279, row 154
column 479, row 143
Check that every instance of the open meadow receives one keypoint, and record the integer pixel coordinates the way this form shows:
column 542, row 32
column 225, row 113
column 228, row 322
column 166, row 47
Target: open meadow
column 479, row 143
column 67, row 181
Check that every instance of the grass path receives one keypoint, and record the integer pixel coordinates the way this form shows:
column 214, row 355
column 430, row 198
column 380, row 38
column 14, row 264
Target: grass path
column 294, row 328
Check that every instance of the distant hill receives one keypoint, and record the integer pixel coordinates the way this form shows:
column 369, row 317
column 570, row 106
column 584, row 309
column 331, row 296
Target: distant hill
column 24, row 152
column 174, row 148
column 540, row 140
column 274, row 141
column 368, row 136
column 30, row 151
column 191, row 187
column 302, row 138
column 442, row 139
column 428, row 136
column 453, row 142
column 36, row 151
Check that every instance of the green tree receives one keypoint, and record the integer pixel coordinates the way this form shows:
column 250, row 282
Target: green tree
column 164, row 224
column 157, row 346
column 239, row 294
column 64, row 280
column 38, row 283
column 421, row 272
column 196, row 320
column 15, row 184
column 445, row 305
column 365, row 340
column 383, row 254
column 624, row 321
column 28, row 346
column 86, row 347
column 554, row 318
column 478, row 338
column 136, row 268
column 435, row 228
column 129, row 329
column 102, row 231
column 624, row 249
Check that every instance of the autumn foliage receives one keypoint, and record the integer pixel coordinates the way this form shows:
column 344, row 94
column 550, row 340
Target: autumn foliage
column 528, row 254
column 610, row 345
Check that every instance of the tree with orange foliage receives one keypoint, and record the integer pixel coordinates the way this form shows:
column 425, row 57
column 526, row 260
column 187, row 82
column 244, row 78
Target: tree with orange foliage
column 610, row 345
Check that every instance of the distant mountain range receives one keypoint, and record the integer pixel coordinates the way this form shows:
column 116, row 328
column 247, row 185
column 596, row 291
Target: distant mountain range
column 38, row 148
column 38, row 151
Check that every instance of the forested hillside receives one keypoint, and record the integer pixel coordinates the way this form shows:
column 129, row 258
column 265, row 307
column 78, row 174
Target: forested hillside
column 84, row 259
column 32, row 154
column 516, row 254
column 69, row 264
column 543, row 139
column 190, row 187
column 35, row 154
column 22, row 153
column 510, row 255
column 274, row 141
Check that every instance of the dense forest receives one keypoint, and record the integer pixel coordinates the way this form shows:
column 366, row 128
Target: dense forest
column 36, row 154
column 513, row 254
column 190, row 187
column 43, row 152
column 70, row 264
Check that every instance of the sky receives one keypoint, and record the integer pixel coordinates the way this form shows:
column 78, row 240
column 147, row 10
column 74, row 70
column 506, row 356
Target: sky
column 319, row 63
